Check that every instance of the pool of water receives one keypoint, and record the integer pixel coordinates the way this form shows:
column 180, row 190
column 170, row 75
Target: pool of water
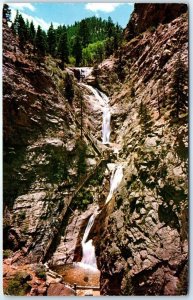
column 79, row 274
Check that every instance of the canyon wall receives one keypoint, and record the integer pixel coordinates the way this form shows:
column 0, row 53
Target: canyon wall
column 144, row 250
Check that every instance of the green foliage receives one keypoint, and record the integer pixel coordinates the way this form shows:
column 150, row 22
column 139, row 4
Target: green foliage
column 82, row 200
column 56, row 170
column 51, row 39
column 14, row 25
column 84, row 33
column 63, row 51
column 85, row 42
column 97, row 178
column 6, row 13
column 179, row 96
column 7, row 253
column 22, row 31
column 109, row 46
column 40, row 272
column 72, row 60
column 77, row 50
column 17, row 286
column 93, row 53
column 40, row 42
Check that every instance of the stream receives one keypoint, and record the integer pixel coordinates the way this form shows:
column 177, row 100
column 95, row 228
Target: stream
column 85, row 272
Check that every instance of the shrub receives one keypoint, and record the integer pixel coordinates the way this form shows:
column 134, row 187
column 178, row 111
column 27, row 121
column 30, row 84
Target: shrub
column 41, row 272
column 18, row 286
column 7, row 253
column 82, row 200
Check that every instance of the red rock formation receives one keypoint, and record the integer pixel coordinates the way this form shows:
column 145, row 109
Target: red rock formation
column 148, row 15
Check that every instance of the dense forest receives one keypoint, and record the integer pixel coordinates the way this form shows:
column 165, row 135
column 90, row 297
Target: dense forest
column 84, row 43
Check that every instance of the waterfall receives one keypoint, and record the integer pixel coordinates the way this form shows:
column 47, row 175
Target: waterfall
column 88, row 249
column 106, row 125
column 116, row 179
column 104, row 102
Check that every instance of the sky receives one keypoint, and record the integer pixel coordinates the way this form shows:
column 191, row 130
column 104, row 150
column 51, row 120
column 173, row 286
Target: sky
column 67, row 13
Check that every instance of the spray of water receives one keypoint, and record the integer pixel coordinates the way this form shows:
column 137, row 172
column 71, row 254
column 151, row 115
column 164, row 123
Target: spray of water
column 116, row 179
column 88, row 249
column 106, row 129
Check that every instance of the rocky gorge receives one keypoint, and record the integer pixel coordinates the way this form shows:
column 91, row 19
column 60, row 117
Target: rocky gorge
column 57, row 170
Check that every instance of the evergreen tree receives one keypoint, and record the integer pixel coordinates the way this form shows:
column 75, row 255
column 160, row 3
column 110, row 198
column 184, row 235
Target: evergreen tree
column 117, row 37
column 84, row 33
column 22, row 32
column 77, row 50
column 15, row 24
column 179, row 96
column 6, row 13
column 63, row 51
column 69, row 88
column 51, row 38
column 109, row 47
column 110, row 27
column 32, row 33
column 40, row 42
column 27, row 29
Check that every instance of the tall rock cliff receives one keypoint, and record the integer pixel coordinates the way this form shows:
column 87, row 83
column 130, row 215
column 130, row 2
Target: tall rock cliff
column 144, row 250
column 44, row 155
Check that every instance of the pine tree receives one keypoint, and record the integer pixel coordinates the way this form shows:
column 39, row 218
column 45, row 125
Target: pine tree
column 110, row 27
column 77, row 50
column 63, row 51
column 69, row 88
column 32, row 33
column 6, row 13
column 15, row 24
column 84, row 33
column 51, row 38
column 109, row 46
column 27, row 29
column 22, row 32
column 117, row 37
column 40, row 42
column 179, row 96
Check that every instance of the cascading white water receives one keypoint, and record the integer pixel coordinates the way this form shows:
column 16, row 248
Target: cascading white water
column 88, row 249
column 104, row 102
column 116, row 179
column 106, row 129
column 106, row 126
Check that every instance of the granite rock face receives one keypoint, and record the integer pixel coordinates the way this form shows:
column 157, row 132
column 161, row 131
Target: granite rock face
column 144, row 250
column 42, row 146
column 149, row 15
